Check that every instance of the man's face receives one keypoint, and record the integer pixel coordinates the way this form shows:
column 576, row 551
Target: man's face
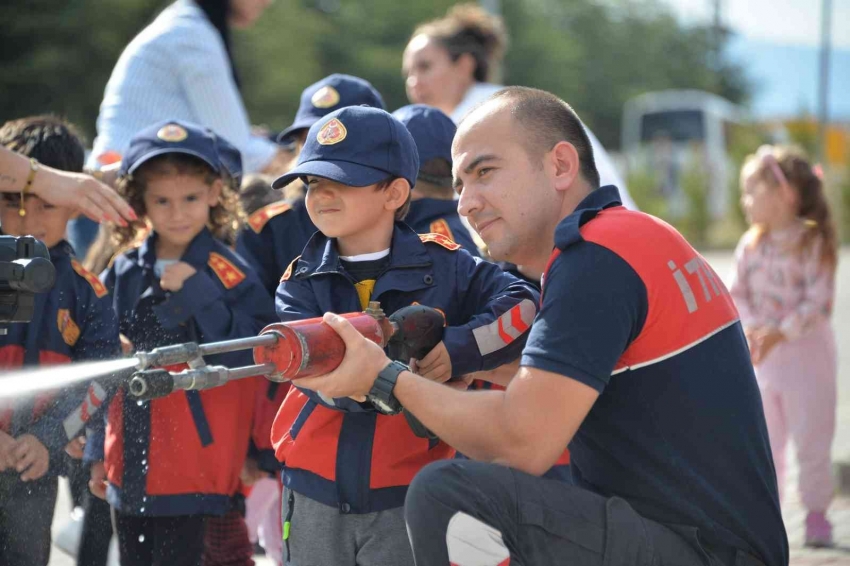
column 44, row 221
column 504, row 192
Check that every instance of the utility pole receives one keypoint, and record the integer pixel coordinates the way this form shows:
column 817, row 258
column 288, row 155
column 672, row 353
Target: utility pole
column 823, row 82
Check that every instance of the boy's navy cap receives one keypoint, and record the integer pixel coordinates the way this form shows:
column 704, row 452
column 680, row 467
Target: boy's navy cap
column 331, row 93
column 176, row 136
column 431, row 129
column 356, row 146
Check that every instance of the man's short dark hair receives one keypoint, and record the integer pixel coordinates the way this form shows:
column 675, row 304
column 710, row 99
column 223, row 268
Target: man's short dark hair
column 548, row 120
column 49, row 139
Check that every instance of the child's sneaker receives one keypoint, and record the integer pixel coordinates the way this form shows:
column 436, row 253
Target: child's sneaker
column 818, row 530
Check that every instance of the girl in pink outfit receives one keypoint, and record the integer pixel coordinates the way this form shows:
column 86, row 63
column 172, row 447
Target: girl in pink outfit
column 783, row 286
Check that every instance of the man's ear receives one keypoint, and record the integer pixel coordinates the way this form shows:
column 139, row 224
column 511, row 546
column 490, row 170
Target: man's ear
column 396, row 193
column 564, row 165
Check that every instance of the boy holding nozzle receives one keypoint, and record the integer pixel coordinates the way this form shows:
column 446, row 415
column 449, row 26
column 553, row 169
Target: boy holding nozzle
column 348, row 463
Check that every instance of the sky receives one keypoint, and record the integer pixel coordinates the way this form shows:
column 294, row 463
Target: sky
column 778, row 43
column 795, row 22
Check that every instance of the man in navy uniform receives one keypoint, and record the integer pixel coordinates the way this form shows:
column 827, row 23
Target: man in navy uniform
column 636, row 360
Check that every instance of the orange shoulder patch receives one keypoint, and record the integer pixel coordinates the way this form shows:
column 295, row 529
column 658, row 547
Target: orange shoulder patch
column 440, row 240
column 98, row 287
column 229, row 274
column 257, row 221
column 441, row 227
column 288, row 273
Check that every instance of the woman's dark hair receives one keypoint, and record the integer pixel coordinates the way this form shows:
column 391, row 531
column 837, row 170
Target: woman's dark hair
column 217, row 12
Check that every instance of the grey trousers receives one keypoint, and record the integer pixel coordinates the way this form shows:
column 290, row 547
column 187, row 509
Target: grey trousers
column 474, row 514
column 319, row 535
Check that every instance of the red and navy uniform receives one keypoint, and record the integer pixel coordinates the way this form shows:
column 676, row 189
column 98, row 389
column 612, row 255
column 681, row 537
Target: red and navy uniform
column 74, row 321
column 630, row 309
column 437, row 216
column 343, row 453
column 182, row 454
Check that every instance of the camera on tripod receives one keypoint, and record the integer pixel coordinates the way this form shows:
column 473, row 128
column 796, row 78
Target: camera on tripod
column 25, row 270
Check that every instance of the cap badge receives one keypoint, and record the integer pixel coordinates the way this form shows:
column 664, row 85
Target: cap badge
column 172, row 133
column 325, row 97
column 332, row 133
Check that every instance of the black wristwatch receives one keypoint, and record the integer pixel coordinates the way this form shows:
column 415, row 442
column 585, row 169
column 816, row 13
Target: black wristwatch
column 381, row 395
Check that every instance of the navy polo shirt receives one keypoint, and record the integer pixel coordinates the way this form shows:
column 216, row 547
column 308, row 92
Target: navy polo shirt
column 630, row 309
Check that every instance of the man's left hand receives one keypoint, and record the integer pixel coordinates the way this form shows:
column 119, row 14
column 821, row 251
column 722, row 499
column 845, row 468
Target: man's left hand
column 361, row 365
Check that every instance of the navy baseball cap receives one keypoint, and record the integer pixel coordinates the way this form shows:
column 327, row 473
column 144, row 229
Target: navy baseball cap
column 176, row 136
column 431, row 129
column 356, row 146
column 331, row 93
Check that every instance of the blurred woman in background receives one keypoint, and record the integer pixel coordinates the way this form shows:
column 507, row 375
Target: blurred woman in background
column 453, row 63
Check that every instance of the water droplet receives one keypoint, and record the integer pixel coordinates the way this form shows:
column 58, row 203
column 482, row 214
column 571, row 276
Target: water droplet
column 141, row 538
column 144, row 462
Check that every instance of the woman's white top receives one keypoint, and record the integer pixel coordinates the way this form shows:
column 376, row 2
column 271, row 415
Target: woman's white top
column 608, row 174
column 177, row 68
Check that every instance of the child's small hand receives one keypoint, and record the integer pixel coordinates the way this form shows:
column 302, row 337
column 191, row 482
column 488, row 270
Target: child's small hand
column 251, row 472
column 127, row 346
column 766, row 339
column 75, row 448
column 97, row 483
column 436, row 365
column 7, row 449
column 174, row 275
column 33, row 458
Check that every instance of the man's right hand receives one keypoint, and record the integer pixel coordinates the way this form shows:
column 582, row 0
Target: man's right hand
column 97, row 483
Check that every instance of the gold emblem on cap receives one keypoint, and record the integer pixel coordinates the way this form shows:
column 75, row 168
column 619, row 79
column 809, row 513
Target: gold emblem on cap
column 325, row 97
column 332, row 133
column 172, row 133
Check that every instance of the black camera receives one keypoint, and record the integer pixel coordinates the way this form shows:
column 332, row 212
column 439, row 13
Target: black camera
column 25, row 270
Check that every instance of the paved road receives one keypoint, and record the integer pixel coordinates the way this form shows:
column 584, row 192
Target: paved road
column 794, row 514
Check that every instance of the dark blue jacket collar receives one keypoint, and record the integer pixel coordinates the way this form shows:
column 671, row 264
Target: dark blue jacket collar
column 428, row 209
column 321, row 256
column 61, row 250
column 568, row 230
column 196, row 255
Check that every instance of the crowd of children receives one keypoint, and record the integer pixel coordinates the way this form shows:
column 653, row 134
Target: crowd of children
column 364, row 212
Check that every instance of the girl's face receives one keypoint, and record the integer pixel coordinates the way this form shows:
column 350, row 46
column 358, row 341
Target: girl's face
column 767, row 204
column 431, row 77
column 243, row 13
column 178, row 206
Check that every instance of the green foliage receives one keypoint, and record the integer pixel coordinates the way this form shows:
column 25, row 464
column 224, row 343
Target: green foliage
column 595, row 54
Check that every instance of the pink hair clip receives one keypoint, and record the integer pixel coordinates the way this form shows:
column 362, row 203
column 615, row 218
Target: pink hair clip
column 765, row 153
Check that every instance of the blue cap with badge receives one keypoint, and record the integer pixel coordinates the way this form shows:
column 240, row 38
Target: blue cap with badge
column 356, row 146
column 177, row 136
column 331, row 93
column 431, row 129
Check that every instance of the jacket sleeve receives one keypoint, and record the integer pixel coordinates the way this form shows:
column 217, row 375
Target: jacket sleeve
column 500, row 309
column 77, row 404
column 219, row 313
column 257, row 250
column 818, row 295
column 295, row 301
column 739, row 286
